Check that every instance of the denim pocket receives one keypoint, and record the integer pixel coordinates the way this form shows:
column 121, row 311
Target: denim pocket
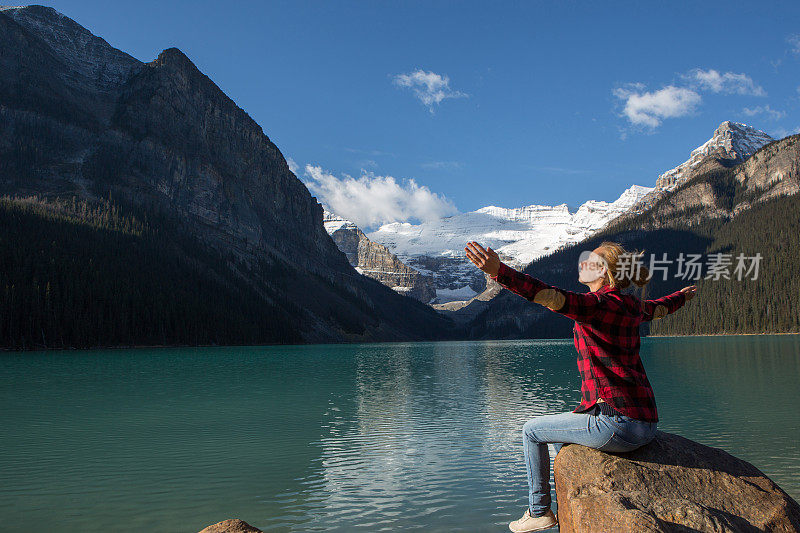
column 619, row 421
column 630, row 431
column 618, row 444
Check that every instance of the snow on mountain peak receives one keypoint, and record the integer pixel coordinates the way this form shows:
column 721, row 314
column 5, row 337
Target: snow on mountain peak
column 632, row 195
column 731, row 140
column 333, row 222
column 519, row 235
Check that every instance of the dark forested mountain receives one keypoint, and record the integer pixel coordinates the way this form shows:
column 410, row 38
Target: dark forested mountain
column 233, row 249
column 748, row 208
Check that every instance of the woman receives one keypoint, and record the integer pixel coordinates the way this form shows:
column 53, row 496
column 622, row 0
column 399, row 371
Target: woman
column 617, row 412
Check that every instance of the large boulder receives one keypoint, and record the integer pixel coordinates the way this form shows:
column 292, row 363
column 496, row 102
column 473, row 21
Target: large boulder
column 232, row 525
column 670, row 484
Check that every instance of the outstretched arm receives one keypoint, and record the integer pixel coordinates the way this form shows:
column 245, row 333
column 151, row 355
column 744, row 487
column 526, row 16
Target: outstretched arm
column 577, row 306
column 661, row 307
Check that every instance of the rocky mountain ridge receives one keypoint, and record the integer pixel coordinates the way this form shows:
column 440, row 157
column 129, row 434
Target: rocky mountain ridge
column 731, row 144
column 79, row 117
column 724, row 192
column 376, row 261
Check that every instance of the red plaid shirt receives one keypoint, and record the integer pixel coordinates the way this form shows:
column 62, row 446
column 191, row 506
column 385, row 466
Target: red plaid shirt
column 607, row 339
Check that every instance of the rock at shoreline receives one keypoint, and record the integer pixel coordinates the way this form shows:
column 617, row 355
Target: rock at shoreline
column 234, row 525
column 670, row 484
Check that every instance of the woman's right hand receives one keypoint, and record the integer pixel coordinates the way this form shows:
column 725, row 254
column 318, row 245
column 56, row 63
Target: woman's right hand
column 487, row 260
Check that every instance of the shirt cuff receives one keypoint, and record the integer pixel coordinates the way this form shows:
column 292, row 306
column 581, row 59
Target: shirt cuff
column 679, row 301
column 502, row 275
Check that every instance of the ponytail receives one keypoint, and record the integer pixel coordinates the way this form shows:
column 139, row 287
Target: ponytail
column 635, row 273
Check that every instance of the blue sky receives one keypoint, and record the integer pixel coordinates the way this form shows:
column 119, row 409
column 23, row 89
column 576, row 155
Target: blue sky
column 403, row 111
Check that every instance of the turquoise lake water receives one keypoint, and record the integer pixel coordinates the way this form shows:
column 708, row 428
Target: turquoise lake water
column 371, row 437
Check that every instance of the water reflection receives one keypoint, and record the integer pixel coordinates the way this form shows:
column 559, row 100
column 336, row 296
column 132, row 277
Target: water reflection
column 345, row 437
column 436, row 434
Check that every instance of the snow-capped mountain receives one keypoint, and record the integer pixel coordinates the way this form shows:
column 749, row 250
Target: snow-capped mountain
column 375, row 260
column 519, row 234
column 732, row 142
column 435, row 250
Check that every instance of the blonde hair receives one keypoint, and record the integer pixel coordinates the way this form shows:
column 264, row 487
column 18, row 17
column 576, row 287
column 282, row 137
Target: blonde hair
column 633, row 272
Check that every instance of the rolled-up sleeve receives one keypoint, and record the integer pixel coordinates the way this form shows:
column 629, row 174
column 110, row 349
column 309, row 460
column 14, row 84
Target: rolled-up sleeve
column 661, row 307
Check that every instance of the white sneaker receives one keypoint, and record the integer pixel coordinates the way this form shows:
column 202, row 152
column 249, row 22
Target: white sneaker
column 533, row 523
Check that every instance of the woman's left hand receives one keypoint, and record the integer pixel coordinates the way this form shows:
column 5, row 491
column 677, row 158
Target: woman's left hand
column 690, row 291
column 487, row 260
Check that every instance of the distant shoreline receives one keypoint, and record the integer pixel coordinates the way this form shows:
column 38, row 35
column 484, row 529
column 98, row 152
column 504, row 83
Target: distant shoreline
column 132, row 346
column 139, row 346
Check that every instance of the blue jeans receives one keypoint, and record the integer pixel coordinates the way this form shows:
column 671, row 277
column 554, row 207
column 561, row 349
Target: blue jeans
column 609, row 433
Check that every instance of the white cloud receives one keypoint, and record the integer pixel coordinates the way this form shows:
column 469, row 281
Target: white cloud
column 780, row 133
column 372, row 200
column 430, row 88
column 774, row 114
column 727, row 82
column 292, row 165
column 649, row 108
column 794, row 49
column 794, row 41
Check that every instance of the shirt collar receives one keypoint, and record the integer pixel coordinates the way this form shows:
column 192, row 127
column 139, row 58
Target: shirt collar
column 606, row 288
